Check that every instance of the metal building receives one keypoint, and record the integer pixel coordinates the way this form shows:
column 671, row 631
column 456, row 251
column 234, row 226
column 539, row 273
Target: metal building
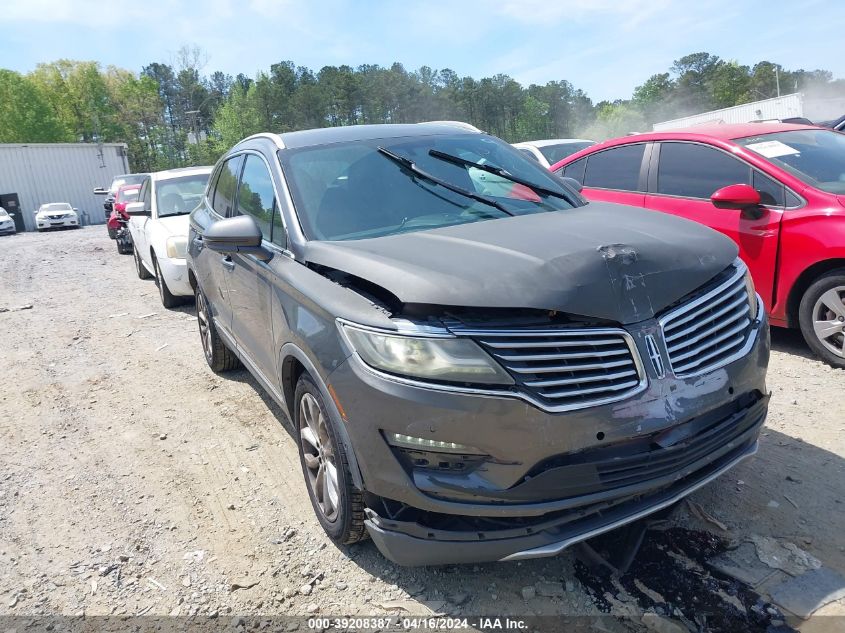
column 60, row 172
column 778, row 108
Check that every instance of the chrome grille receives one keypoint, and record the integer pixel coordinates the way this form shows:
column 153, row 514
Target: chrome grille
column 566, row 368
column 711, row 330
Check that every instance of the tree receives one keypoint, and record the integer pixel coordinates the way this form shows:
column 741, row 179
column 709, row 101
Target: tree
column 26, row 115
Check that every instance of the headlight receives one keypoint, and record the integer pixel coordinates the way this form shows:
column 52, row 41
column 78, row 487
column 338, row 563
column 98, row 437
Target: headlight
column 176, row 246
column 446, row 359
column 752, row 294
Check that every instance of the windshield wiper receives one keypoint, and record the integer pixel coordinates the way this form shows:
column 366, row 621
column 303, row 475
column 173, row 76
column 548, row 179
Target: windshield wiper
column 411, row 166
column 502, row 173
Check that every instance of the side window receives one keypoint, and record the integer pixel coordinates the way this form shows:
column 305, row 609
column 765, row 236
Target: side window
column 227, row 187
column 575, row 170
column 771, row 192
column 256, row 197
column 617, row 168
column 696, row 171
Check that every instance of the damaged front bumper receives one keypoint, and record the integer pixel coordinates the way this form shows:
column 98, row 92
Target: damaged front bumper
column 413, row 544
column 538, row 481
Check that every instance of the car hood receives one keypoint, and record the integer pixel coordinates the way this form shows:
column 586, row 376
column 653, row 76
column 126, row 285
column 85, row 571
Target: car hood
column 602, row 260
column 176, row 225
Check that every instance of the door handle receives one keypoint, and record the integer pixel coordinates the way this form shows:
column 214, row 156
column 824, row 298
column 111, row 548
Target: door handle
column 227, row 262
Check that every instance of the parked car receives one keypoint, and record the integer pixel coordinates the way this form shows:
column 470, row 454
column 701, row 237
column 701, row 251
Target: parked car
column 125, row 194
column 472, row 373
column 159, row 228
column 777, row 190
column 55, row 215
column 111, row 192
column 7, row 224
column 834, row 124
column 550, row 151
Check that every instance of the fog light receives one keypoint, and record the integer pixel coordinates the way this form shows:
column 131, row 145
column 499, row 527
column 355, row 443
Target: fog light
column 436, row 446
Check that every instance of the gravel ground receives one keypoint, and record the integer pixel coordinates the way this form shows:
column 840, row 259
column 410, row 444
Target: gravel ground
column 135, row 481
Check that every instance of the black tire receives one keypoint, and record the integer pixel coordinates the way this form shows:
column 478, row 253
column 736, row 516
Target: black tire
column 143, row 273
column 815, row 308
column 168, row 299
column 219, row 357
column 346, row 524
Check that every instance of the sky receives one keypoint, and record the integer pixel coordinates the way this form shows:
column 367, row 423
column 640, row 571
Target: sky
column 604, row 47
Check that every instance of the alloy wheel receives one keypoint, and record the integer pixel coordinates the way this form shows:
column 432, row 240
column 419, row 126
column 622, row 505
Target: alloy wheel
column 319, row 455
column 829, row 320
column 204, row 321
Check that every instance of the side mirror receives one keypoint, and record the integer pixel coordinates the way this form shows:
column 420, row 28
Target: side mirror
column 735, row 197
column 75, row 210
column 573, row 184
column 236, row 235
column 137, row 208
column 99, row 191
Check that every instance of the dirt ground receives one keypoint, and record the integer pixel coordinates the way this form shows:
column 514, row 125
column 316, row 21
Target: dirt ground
column 135, row 481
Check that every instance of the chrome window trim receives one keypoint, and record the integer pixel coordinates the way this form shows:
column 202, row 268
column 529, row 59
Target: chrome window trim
column 513, row 392
column 741, row 269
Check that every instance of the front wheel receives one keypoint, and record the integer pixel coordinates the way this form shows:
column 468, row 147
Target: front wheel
column 168, row 299
column 821, row 316
column 339, row 506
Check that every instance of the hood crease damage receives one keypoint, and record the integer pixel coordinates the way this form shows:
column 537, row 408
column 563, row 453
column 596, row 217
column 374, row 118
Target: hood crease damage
column 624, row 266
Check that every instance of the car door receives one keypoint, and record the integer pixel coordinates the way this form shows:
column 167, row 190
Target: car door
column 211, row 268
column 250, row 281
column 682, row 178
column 617, row 174
column 139, row 223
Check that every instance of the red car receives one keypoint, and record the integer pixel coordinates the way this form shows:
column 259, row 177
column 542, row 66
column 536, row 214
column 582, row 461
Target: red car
column 778, row 190
column 124, row 195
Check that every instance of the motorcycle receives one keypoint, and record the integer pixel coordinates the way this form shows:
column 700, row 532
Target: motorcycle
column 118, row 225
column 123, row 238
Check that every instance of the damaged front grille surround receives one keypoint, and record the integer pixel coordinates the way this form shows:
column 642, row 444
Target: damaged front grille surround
column 710, row 330
column 563, row 369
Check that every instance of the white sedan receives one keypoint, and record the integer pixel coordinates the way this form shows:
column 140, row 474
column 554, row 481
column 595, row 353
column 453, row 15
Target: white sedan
column 7, row 224
column 55, row 215
column 549, row 151
column 159, row 228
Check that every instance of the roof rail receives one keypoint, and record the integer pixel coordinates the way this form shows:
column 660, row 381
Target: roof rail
column 460, row 124
column 268, row 135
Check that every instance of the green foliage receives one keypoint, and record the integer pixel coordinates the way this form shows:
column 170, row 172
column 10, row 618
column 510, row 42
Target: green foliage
column 173, row 114
column 25, row 114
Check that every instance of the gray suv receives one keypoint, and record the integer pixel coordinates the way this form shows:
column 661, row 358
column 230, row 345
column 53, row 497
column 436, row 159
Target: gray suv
column 478, row 364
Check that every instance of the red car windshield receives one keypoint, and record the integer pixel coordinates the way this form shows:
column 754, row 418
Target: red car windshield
column 815, row 156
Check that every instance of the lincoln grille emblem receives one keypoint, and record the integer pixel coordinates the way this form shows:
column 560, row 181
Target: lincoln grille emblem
column 654, row 355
